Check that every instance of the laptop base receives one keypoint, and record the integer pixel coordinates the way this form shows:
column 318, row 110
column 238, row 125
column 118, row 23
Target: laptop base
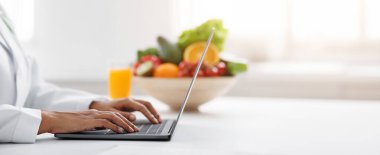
column 162, row 134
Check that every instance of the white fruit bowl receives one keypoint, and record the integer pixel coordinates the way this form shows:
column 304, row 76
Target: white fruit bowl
column 172, row 91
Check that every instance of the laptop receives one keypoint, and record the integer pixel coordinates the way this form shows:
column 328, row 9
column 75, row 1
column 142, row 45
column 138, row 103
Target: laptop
column 163, row 131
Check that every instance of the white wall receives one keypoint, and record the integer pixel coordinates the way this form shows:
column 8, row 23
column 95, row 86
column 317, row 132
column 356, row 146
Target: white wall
column 76, row 39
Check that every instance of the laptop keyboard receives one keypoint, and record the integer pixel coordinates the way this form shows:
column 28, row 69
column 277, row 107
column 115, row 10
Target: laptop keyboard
column 146, row 128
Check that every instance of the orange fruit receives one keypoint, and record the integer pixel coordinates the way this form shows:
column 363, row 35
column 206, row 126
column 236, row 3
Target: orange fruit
column 194, row 51
column 166, row 70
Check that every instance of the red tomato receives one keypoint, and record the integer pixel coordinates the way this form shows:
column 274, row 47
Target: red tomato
column 203, row 66
column 221, row 66
column 184, row 65
column 185, row 68
column 182, row 74
column 201, row 73
column 212, row 71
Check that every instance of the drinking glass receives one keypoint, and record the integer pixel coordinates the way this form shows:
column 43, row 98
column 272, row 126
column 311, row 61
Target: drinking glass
column 119, row 81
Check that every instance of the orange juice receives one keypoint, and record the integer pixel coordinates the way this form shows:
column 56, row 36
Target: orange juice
column 119, row 82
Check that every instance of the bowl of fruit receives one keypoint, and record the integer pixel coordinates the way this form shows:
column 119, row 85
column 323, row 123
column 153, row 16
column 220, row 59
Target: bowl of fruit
column 165, row 72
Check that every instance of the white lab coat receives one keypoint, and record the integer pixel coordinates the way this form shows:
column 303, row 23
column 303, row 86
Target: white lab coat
column 23, row 94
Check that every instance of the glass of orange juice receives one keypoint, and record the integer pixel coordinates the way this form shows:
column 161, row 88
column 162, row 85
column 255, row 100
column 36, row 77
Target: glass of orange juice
column 119, row 81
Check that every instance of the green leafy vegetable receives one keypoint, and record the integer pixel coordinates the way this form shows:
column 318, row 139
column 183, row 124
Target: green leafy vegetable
column 235, row 65
column 202, row 32
column 148, row 51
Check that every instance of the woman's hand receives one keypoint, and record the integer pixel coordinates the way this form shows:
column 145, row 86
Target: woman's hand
column 67, row 122
column 126, row 105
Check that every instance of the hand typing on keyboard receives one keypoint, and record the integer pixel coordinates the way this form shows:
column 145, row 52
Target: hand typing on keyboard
column 126, row 105
column 115, row 115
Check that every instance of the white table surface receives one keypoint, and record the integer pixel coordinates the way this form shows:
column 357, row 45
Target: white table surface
column 247, row 125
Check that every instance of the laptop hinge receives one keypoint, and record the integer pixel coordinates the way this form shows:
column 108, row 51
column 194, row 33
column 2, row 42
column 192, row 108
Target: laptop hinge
column 174, row 124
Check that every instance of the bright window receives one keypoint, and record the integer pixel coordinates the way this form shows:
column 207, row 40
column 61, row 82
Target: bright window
column 321, row 30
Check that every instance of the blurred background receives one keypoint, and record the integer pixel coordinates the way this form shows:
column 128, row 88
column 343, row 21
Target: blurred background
column 295, row 48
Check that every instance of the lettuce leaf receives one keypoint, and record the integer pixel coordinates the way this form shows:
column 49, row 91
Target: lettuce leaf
column 202, row 32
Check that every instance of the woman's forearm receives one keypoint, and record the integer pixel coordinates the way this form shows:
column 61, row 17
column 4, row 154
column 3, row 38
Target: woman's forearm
column 69, row 122
column 45, row 122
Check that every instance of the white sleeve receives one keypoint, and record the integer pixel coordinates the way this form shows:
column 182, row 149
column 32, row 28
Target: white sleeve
column 19, row 125
column 47, row 96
